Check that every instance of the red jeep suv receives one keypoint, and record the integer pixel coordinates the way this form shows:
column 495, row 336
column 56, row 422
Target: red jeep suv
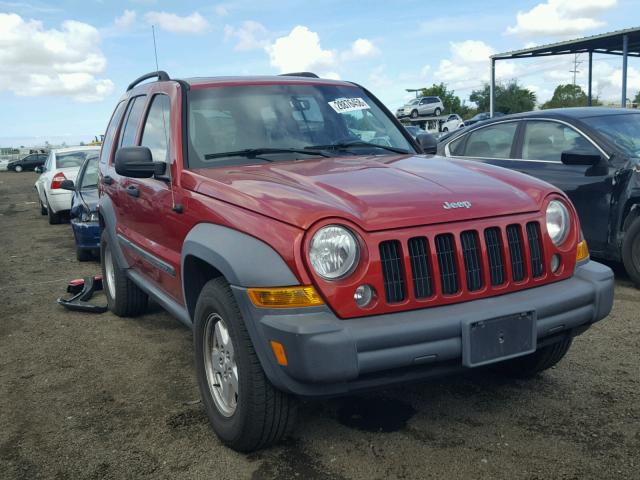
column 315, row 249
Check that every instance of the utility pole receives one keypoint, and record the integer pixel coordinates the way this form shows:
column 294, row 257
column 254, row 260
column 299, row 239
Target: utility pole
column 576, row 64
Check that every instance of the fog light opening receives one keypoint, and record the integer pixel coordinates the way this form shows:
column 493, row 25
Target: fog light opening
column 364, row 295
column 555, row 263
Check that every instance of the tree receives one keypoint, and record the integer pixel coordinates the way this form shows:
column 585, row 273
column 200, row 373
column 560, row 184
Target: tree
column 636, row 100
column 451, row 102
column 510, row 98
column 569, row 95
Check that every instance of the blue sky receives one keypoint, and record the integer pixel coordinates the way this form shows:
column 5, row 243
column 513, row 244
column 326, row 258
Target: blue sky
column 65, row 63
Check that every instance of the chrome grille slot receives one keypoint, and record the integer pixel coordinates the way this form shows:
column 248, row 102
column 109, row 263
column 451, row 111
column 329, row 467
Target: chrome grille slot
column 420, row 269
column 446, row 253
column 472, row 262
column 392, row 271
column 535, row 249
column 493, row 240
column 514, row 237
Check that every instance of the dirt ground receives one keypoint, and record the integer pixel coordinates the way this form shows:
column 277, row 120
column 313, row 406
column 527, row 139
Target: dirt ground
column 96, row 396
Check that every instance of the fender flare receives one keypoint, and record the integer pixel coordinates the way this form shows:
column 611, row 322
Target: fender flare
column 108, row 224
column 243, row 260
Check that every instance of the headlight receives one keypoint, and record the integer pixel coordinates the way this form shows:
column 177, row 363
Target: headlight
column 333, row 252
column 557, row 221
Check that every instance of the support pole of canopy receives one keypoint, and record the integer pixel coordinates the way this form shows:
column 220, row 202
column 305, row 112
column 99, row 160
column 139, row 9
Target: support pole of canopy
column 589, row 97
column 625, row 52
column 492, row 88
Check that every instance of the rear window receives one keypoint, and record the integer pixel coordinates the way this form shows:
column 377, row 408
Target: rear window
column 70, row 159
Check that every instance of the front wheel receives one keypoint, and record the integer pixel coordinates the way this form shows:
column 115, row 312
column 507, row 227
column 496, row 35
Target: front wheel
column 245, row 410
column 445, row 129
column 631, row 251
column 437, row 112
column 531, row 365
column 18, row 168
column 414, row 114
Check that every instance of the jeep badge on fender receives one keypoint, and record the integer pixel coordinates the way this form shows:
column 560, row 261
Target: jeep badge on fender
column 298, row 230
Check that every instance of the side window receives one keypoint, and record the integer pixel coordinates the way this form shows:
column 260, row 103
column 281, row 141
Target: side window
column 90, row 177
column 456, row 148
column 424, row 101
column 493, row 141
column 132, row 120
column 156, row 129
column 547, row 141
column 111, row 132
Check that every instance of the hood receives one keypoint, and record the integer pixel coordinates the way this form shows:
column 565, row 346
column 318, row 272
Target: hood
column 376, row 193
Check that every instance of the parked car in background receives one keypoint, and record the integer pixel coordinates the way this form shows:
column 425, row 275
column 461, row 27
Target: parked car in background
column 310, row 260
column 3, row 165
column 62, row 164
column 421, row 107
column 452, row 122
column 591, row 153
column 414, row 130
column 28, row 163
column 480, row 117
column 84, row 209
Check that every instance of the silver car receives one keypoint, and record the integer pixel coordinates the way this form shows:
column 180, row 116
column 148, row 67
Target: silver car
column 424, row 106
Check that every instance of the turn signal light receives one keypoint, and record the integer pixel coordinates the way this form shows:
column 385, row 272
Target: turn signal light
column 285, row 297
column 57, row 179
column 278, row 351
column 582, row 251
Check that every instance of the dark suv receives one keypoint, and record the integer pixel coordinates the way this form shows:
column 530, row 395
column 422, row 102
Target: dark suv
column 298, row 229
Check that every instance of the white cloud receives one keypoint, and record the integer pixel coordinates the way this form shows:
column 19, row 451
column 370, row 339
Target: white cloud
column 250, row 35
column 561, row 17
column 126, row 20
column 300, row 50
column 361, row 48
column 221, row 10
column 194, row 23
column 64, row 61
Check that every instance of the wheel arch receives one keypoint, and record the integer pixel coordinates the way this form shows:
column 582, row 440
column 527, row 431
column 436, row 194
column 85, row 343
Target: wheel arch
column 630, row 212
column 210, row 251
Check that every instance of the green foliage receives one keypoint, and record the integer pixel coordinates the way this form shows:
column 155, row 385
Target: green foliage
column 636, row 99
column 510, row 98
column 451, row 102
column 569, row 95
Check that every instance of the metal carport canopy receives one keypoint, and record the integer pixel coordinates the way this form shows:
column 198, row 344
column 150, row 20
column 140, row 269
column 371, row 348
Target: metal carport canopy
column 621, row 42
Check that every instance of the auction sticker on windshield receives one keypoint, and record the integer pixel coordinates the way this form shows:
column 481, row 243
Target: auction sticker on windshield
column 342, row 105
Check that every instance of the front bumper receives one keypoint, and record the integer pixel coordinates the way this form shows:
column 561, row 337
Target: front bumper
column 87, row 234
column 330, row 356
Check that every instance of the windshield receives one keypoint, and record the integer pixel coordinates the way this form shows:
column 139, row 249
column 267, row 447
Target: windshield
column 238, row 118
column 70, row 159
column 623, row 130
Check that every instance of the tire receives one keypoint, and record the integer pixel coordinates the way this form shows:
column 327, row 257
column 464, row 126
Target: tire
column 437, row 112
column 531, row 365
column 18, row 168
column 414, row 114
column 124, row 298
column 255, row 414
column 83, row 255
column 54, row 218
column 445, row 129
column 631, row 251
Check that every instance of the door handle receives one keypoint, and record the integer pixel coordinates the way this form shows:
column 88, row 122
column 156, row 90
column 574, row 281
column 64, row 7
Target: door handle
column 107, row 180
column 133, row 191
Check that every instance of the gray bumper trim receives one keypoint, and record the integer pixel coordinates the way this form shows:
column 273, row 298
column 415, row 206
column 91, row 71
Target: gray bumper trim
column 329, row 356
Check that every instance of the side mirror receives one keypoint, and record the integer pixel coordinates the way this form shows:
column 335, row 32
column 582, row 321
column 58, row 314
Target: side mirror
column 428, row 143
column 67, row 185
column 137, row 162
column 578, row 158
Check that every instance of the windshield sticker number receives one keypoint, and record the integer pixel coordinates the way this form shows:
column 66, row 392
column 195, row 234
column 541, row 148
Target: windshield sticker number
column 343, row 105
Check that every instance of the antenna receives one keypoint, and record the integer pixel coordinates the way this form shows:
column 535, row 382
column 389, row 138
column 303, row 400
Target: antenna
column 155, row 49
column 174, row 206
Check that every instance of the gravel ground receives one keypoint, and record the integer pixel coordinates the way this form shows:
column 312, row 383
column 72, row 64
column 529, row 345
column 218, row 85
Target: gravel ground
column 96, row 396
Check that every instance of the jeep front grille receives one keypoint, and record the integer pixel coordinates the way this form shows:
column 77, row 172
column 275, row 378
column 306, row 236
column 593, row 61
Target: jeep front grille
column 447, row 264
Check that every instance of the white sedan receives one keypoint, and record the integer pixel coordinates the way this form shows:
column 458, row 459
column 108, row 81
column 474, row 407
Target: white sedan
column 452, row 122
column 62, row 164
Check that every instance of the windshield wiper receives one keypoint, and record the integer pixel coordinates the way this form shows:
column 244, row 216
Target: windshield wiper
column 356, row 143
column 254, row 152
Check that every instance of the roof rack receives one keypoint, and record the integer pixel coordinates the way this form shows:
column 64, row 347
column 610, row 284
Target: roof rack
column 161, row 75
column 300, row 74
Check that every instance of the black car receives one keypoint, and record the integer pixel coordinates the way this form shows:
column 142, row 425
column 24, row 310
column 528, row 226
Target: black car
column 593, row 154
column 480, row 117
column 28, row 163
